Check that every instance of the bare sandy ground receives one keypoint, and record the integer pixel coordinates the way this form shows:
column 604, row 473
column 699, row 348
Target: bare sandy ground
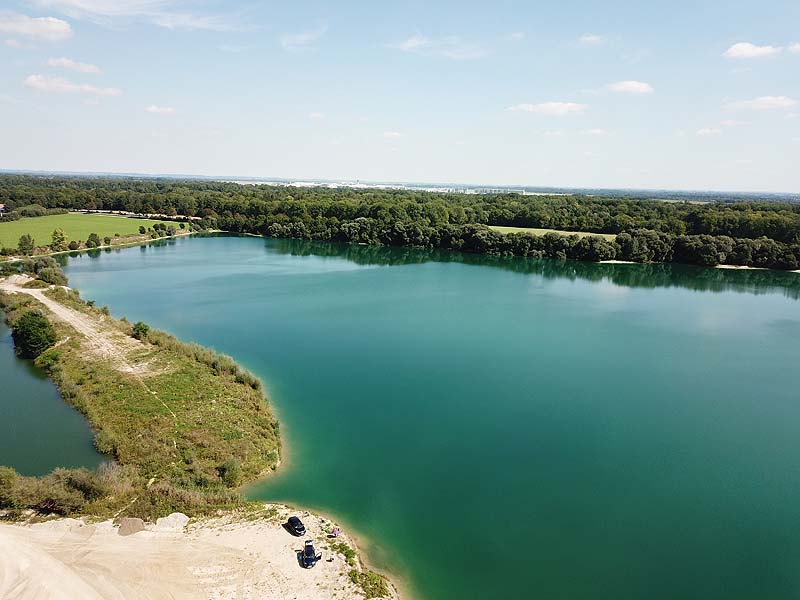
column 100, row 339
column 220, row 558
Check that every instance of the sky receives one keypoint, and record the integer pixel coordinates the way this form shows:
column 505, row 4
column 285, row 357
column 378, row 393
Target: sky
column 700, row 95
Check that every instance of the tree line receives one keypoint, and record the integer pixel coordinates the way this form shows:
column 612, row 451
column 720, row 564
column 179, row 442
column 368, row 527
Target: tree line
column 748, row 233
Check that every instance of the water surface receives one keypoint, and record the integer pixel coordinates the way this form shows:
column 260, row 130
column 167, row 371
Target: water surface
column 38, row 430
column 504, row 427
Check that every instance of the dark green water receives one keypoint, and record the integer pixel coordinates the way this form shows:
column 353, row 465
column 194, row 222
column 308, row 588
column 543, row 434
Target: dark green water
column 510, row 428
column 38, row 430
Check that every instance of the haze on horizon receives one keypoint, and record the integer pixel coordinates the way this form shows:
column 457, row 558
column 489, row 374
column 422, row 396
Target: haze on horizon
column 680, row 95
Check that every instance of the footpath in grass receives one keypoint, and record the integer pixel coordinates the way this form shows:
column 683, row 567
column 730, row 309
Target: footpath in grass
column 185, row 426
column 77, row 227
column 535, row 231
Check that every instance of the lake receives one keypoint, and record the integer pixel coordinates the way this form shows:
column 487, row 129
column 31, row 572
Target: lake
column 38, row 430
column 508, row 427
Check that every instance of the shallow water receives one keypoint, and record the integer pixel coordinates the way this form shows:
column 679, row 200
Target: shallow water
column 38, row 430
column 504, row 426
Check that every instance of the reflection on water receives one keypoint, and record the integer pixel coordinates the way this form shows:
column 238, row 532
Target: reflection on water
column 752, row 281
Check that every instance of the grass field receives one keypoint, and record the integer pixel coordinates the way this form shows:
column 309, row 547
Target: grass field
column 77, row 227
column 534, row 231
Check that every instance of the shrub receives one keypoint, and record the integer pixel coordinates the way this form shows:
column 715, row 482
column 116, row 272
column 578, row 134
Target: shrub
column 142, row 229
column 372, row 584
column 43, row 262
column 32, row 210
column 231, row 472
column 107, row 241
column 32, row 334
column 74, row 245
column 53, row 276
column 26, row 245
column 93, row 241
column 140, row 330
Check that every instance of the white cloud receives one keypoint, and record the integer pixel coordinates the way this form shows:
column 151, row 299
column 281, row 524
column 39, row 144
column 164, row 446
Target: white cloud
column 591, row 39
column 748, row 50
column 553, row 133
column 597, row 132
column 719, row 128
column 517, row 35
column 631, row 87
column 706, row 131
column 764, row 103
column 164, row 111
column 68, row 63
column 304, row 39
column 44, row 29
column 44, row 83
column 450, row 47
column 316, row 115
column 158, row 12
column 795, row 48
column 556, row 109
column 12, row 43
column 392, row 135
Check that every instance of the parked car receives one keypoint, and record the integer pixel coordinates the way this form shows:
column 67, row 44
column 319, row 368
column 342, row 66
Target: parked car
column 310, row 556
column 296, row 526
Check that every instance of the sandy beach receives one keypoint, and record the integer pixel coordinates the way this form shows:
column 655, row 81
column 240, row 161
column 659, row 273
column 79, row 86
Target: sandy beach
column 245, row 556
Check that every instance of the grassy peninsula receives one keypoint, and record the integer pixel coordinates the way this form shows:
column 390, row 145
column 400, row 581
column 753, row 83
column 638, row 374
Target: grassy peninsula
column 184, row 425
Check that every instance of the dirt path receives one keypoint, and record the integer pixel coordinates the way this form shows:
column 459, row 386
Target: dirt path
column 102, row 340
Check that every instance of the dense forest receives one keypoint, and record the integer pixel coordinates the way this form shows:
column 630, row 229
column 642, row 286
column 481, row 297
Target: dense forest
column 748, row 233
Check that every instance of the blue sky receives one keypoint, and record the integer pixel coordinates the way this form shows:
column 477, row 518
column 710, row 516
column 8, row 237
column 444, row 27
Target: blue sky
column 690, row 95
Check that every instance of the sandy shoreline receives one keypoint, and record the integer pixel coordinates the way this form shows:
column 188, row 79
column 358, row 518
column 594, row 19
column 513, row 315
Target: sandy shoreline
column 242, row 556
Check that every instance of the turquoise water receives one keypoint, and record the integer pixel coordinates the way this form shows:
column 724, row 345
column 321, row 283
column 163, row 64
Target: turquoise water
column 38, row 430
column 509, row 428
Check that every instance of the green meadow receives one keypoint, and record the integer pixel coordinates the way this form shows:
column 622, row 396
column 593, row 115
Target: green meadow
column 77, row 227
column 535, row 231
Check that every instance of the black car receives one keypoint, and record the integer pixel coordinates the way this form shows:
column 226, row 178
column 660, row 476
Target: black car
column 296, row 526
column 310, row 556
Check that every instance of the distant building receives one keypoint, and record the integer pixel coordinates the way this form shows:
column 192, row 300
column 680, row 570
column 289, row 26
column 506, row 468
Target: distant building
column 2, row 208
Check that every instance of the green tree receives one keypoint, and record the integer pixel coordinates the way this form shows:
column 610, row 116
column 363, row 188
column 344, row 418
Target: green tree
column 26, row 245
column 93, row 241
column 74, row 245
column 59, row 242
column 142, row 229
column 107, row 241
column 32, row 334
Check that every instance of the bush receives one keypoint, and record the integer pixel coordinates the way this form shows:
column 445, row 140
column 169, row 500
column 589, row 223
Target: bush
column 32, row 334
column 140, row 330
column 93, row 241
column 231, row 472
column 74, row 245
column 142, row 229
column 53, row 276
column 107, row 241
column 32, row 210
column 26, row 245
